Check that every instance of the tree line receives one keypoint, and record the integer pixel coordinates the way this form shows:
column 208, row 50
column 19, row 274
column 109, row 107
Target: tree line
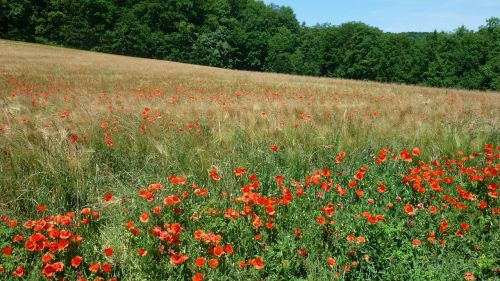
column 250, row 35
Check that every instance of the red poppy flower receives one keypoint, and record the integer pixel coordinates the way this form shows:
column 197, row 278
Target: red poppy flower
column 416, row 243
column 108, row 252
column 213, row 263
column 405, row 155
column 7, row 251
column 109, row 142
column 214, row 175
column 331, row 262
column 350, row 238
column 200, row 262
column 178, row 259
column 359, row 193
column 409, row 209
column 142, row 252
column 73, row 138
column 104, row 125
column 302, row 252
column 66, row 234
column 62, row 244
column 95, row 267
column 329, row 210
column 48, row 271
column 198, row 277
column 360, row 239
column 156, row 210
column 41, row 208
column 382, row 188
column 144, row 217
column 483, row 205
column 19, row 272
column 54, row 233
column 298, row 232
column 171, row 200
column 239, row 171
column 76, row 261
column 464, row 226
column 469, row 276
column 199, row 234
column 108, row 196
column 17, row 238
column 48, row 257
column 257, row 263
column 340, row 157
column 228, row 249
column 218, row 251
column 106, row 268
column 321, row 220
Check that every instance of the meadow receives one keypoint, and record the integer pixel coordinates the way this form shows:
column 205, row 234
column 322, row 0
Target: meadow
column 121, row 168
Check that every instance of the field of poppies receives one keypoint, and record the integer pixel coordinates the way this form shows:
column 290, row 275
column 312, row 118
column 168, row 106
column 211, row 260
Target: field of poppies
column 119, row 168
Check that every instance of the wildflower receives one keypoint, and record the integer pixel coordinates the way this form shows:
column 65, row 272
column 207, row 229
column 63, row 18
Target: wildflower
column 331, row 262
column 95, row 267
column 464, row 226
column 218, row 251
column 108, row 196
column 469, row 276
column 359, row 193
column 200, row 262
column 73, row 138
column 7, row 251
column 214, row 175
column 340, row 157
column 409, row 209
column 213, row 263
column 171, row 200
column 76, row 261
column 198, row 277
column 144, row 217
column 178, row 259
column 302, row 252
column 239, row 171
column 321, row 220
column 48, row 271
column 106, row 268
column 257, row 263
column 108, row 252
column 48, row 257
column 19, row 271
column 416, row 243
column 361, row 239
column 228, row 249
column 41, row 208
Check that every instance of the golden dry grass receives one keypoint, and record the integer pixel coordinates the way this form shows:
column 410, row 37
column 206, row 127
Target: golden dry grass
column 357, row 112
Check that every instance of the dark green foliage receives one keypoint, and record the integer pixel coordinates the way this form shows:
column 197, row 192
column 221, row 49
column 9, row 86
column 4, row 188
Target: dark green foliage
column 250, row 35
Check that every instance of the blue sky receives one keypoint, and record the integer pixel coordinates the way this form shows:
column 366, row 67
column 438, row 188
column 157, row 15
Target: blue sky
column 396, row 16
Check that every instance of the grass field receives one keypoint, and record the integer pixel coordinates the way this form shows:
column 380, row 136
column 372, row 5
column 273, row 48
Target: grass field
column 137, row 169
